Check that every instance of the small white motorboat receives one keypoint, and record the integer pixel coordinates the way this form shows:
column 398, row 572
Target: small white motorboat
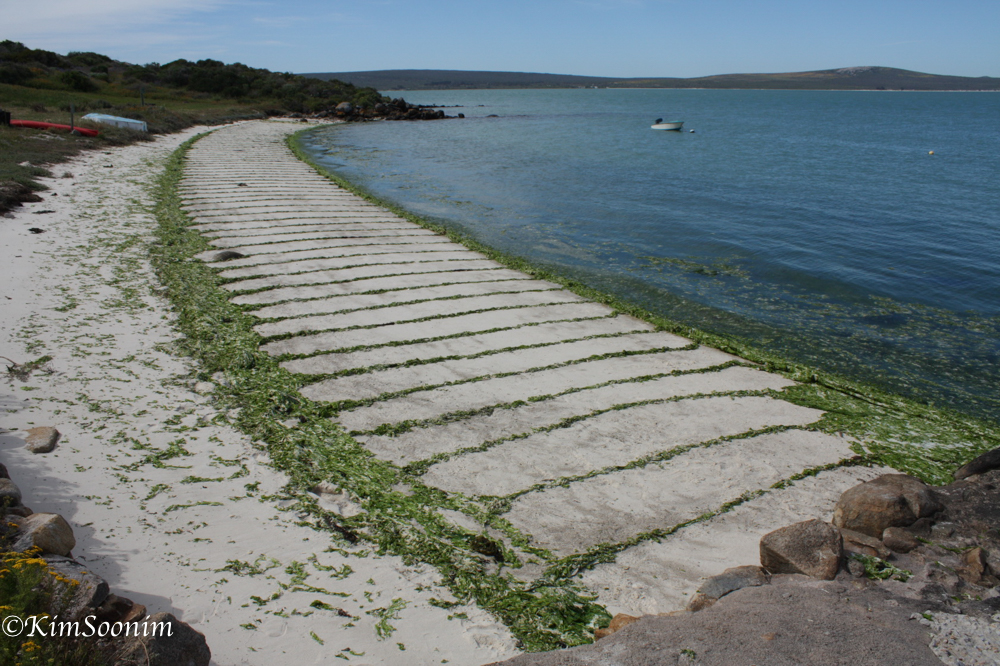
column 669, row 125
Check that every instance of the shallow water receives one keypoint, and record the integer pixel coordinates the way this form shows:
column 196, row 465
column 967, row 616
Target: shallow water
column 813, row 224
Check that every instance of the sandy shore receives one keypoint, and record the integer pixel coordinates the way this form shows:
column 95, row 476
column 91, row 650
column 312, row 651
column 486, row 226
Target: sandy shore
column 168, row 503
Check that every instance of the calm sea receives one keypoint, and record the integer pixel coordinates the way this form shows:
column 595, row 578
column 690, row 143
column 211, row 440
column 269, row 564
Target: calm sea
column 813, row 224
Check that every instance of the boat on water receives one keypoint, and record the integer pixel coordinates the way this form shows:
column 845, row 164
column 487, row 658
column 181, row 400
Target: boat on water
column 669, row 125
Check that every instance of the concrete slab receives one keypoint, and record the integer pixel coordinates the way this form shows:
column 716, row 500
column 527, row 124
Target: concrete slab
column 376, row 284
column 462, row 324
column 338, row 263
column 325, row 252
column 342, row 231
column 326, row 243
column 362, row 301
column 536, row 334
column 611, row 439
column 478, row 395
column 426, row 442
column 264, row 202
column 280, row 239
column 414, row 311
column 345, row 274
column 276, row 226
column 614, row 507
column 372, row 384
column 300, row 216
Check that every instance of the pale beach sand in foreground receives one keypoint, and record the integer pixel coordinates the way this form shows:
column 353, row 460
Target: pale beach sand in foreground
column 345, row 285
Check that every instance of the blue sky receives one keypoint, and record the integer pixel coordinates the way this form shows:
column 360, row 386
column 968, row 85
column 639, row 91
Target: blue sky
column 591, row 37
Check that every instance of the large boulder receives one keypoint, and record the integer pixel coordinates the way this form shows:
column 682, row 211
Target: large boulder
column 165, row 641
column 892, row 500
column 84, row 594
column 47, row 531
column 812, row 547
column 42, row 439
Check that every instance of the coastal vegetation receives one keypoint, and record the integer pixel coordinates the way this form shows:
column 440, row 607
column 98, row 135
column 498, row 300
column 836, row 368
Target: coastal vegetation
column 36, row 84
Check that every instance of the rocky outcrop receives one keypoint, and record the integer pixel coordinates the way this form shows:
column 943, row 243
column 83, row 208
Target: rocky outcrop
column 790, row 622
column 397, row 109
column 10, row 494
column 87, row 593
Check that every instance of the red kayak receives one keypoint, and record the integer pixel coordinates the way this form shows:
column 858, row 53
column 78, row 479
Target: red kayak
column 34, row 124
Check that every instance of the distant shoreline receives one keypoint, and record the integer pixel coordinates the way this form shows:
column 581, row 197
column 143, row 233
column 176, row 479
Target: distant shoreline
column 844, row 79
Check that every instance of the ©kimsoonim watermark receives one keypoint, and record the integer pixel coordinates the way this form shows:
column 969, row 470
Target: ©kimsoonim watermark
column 43, row 626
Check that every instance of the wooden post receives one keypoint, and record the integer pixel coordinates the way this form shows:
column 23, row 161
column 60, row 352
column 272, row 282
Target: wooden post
column 142, row 96
column 72, row 117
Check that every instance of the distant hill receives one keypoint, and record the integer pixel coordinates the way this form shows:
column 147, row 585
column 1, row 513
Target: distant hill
column 848, row 78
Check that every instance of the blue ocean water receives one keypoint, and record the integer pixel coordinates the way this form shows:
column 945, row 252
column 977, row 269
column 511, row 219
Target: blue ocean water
column 816, row 225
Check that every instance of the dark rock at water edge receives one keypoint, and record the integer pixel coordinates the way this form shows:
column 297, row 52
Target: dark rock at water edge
column 397, row 109
column 984, row 463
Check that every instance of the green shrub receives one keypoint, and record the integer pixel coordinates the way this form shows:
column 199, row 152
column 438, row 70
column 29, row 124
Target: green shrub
column 78, row 81
column 15, row 74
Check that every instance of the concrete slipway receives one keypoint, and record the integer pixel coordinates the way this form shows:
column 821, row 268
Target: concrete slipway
column 420, row 330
